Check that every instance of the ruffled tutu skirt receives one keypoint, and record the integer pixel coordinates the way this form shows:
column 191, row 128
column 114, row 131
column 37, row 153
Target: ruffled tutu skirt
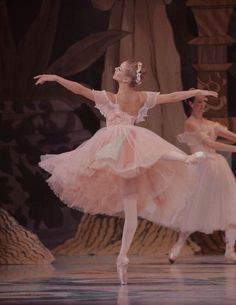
column 212, row 205
column 118, row 162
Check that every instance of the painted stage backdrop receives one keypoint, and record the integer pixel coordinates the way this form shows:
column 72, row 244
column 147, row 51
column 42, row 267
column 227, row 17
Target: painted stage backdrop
column 70, row 38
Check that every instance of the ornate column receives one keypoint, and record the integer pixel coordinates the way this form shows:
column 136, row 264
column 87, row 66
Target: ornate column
column 212, row 18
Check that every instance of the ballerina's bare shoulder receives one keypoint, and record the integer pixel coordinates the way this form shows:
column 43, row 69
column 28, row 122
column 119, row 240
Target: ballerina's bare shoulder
column 129, row 102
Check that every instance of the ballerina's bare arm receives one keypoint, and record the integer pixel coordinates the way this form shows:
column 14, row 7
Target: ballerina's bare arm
column 68, row 84
column 229, row 135
column 183, row 95
column 219, row 146
column 192, row 127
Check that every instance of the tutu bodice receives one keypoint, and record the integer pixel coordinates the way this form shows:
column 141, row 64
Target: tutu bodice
column 113, row 113
column 195, row 139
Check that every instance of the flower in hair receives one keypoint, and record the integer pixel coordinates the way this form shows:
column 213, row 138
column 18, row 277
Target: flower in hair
column 138, row 73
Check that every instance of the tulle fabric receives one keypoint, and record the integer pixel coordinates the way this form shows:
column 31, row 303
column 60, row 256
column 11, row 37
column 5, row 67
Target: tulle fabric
column 212, row 205
column 121, row 161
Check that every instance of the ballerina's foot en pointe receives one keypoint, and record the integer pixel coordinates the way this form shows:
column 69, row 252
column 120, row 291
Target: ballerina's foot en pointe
column 125, row 157
column 176, row 249
column 122, row 269
column 229, row 256
column 174, row 253
column 230, row 237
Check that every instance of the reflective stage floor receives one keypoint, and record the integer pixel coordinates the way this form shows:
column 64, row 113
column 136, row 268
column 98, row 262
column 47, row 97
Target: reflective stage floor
column 202, row 280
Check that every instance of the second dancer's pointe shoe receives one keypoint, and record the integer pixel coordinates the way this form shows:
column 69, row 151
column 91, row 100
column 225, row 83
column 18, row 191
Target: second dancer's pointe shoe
column 174, row 253
column 230, row 256
column 122, row 266
column 171, row 258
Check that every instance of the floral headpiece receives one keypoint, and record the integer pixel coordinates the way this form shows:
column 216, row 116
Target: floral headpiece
column 138, row 73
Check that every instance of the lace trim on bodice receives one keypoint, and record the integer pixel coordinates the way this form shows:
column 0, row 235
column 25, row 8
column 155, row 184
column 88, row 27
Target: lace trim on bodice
column 111, row 109
column 196, row 137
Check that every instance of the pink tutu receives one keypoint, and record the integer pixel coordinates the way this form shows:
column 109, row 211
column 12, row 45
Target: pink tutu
column 212, row 205
column 120, row 161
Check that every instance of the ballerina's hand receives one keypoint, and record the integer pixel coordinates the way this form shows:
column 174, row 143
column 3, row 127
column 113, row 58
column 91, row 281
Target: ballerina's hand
column 41, row 79
column 208, row 93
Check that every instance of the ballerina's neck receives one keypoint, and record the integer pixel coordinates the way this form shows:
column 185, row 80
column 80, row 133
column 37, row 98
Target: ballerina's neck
column 198, row 116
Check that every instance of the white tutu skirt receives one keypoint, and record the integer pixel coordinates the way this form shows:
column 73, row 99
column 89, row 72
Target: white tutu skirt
column 118, row 162
column 212, row 205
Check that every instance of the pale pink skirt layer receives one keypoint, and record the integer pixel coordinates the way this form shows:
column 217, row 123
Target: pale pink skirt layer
column 212, row 206
column 118, row 162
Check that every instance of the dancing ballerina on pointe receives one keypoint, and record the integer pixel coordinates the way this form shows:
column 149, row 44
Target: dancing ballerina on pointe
column 123, row 167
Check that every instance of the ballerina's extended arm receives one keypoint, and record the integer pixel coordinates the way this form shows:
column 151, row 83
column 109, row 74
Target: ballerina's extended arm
column 229, row 135
column 68, row 84
column 219, row 146
column 183, row 95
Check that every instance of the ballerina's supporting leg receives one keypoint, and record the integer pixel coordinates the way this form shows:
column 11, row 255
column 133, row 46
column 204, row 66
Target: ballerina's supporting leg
column 130, row 225
column 175, row 251
column 230, row 237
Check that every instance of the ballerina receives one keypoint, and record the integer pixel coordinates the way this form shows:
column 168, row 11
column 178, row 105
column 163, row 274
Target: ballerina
column 122, row 167
column 213, row 203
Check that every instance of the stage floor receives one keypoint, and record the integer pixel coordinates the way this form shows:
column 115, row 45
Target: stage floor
column 202, row 280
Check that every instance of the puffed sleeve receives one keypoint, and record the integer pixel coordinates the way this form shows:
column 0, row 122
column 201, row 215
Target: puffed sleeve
column 101, row 101
column 218, row 128
column 151, row 101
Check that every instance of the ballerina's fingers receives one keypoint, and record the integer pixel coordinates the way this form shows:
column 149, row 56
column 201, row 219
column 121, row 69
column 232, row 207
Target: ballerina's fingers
column 208, row 93
column 39, row 82
column 214, row 94
column 37, row 76
column 38, row 79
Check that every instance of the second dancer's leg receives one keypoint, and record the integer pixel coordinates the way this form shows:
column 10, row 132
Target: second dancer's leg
column 130, row 225
column 230, row 237
column 175, row 251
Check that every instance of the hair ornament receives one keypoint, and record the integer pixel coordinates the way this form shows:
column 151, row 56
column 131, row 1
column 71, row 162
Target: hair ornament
column 138, row 73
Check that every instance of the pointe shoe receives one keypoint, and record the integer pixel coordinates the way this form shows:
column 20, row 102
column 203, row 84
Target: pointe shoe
column 230, row 256
column 171, row 258
column 195, row 157
column 174, row 253
column 122, row 266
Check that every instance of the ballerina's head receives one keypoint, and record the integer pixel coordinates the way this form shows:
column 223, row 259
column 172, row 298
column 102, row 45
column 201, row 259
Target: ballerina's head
column 130, row 72
column 196, row 105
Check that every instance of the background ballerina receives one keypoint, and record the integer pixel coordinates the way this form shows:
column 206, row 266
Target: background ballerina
column 213, row 203
column 122, row 168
